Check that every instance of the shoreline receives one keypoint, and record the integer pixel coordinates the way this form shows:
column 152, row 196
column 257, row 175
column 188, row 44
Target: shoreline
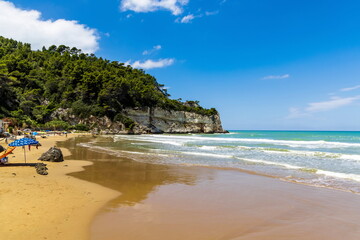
column 282, row 179
column 56, row 206
column 82, row 200
column 208, row 204
column 197, row 203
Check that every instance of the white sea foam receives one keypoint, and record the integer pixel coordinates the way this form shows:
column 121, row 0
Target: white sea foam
column 117, row 152
column 314, row 154
column 351, row 157
column 207, row 154
column 331, row 155
column 290, row 143
column 350, row 176
column 208, row 147
column 289, row 166
column 99, row 149
column 149, row 139
column 145, row 153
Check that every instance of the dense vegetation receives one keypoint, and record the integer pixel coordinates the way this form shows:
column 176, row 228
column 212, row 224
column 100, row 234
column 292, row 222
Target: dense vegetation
column 36, row 83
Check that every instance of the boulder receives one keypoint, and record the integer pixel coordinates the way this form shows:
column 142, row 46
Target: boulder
column 52, row 155
column 41, row 168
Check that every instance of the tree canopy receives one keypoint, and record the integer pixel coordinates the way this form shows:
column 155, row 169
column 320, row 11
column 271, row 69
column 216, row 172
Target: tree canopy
column 36, row 83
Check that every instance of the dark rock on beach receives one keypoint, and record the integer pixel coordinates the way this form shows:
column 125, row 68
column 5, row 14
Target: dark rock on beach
column 52, row 155
column 41, row 168
column 2, row 148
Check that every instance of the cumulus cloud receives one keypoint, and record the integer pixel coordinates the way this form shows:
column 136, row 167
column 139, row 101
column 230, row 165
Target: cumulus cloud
column 276, row 77
column 27, row 26
column 150, row 64
column 350, row 88
column 175, row 6
column 153, row 50
column 333, row 103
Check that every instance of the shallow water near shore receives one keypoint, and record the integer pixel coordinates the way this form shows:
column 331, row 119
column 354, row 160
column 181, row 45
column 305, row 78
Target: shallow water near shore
column 324, row 159
column 169, row 201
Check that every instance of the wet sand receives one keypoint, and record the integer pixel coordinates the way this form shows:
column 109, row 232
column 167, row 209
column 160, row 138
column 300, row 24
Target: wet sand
column 53, row 207
column 175, row 202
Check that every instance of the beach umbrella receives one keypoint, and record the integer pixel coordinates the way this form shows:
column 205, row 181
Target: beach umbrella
column 23, row 142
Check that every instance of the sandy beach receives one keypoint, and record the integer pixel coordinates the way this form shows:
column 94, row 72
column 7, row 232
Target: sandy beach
column 180, row 120
column 163, row 201
column 55, row 206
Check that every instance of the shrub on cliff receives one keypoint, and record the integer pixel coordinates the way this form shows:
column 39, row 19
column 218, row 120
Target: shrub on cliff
column 81, row 127
column 57, row 125
column 128, row 122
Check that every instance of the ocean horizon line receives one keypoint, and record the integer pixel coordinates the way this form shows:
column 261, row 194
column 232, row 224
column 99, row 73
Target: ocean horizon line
column 277, row 130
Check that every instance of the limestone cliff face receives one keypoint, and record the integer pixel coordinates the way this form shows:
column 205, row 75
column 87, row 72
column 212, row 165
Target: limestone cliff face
column 148, row 120
column 157, row 120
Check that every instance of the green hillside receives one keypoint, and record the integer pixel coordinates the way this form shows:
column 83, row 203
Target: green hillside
column 36, row 83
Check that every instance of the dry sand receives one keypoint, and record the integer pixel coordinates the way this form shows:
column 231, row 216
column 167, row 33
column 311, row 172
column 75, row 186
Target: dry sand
column 55, row 206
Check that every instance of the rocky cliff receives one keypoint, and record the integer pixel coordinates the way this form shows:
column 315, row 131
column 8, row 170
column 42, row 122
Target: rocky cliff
column 148, row 120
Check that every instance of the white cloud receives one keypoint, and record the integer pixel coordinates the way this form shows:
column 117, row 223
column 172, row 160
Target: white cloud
column 27, row 26
column 211, row 13
column 150, row 64
column 296, row 113
column 276, row 77
column 350, row 88
column 333, row 103
column 151, row 51
column 175, row 6
column 187, row 18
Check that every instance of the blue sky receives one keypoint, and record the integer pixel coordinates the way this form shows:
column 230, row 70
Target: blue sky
column 264, row 64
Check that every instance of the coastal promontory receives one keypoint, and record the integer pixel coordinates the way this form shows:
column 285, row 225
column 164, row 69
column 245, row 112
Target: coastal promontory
column 62, row 87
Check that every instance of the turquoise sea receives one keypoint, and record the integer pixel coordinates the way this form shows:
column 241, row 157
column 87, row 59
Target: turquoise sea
column 319, row 158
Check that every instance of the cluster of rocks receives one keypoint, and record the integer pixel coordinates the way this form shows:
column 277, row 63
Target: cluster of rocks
column 54, row 154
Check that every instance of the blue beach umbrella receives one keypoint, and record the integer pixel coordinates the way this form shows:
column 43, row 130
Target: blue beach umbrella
column 23, row 142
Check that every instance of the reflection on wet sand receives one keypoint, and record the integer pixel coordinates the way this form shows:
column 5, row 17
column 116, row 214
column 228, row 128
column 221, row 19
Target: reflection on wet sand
column 135, row 180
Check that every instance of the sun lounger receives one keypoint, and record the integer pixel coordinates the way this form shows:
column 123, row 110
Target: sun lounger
column 6, row 152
